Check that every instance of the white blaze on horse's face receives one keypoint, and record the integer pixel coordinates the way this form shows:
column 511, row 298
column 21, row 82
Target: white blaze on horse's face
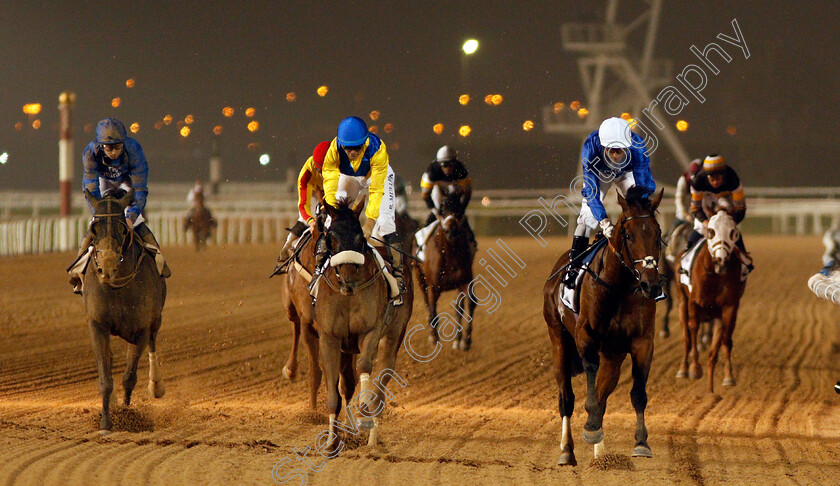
column 721, row 235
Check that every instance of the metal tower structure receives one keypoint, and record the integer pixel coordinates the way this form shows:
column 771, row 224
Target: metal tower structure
column 615, row 79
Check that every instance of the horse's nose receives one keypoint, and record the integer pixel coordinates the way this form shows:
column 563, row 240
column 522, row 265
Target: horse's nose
column 655, row 290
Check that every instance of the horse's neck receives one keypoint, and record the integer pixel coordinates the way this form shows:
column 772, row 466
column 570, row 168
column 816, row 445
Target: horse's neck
column 609, row 266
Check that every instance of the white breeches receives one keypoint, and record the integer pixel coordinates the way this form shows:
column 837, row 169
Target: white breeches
column 350, row 187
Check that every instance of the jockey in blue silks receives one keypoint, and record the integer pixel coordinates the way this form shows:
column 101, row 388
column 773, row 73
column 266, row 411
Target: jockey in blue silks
column 613, row 154
column 115, row 161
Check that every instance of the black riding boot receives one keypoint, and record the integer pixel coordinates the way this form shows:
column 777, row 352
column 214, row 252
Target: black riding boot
column 321, row 254
column 396, row 266
column 149, row 238
column 693, row 238
column 579, row 244
column 296, row 232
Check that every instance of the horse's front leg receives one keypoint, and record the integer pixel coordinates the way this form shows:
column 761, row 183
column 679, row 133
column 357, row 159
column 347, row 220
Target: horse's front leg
column 290, row 368
column 102, row 351
column 606, row 380
column 563, row 352
column 695, row 371
column 330, row 352
column 432, row 296
column 132, row 359
column 641, row 353
column 683, row 312
column 156, row 385
column 465, row 340
column 728, row 320
column 367, row 403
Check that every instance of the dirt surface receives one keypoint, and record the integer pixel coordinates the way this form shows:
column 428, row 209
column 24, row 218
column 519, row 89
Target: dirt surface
column 487, row 416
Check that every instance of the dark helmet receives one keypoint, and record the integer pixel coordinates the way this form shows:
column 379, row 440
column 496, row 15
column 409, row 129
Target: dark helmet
column 110, row 131
column 352, row 131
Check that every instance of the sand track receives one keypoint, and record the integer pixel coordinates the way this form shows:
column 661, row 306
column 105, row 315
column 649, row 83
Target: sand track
column 483, row 417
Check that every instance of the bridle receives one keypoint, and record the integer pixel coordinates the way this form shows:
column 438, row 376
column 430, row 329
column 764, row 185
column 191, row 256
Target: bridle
column 118, row 282
column 647, row 262
column 344, row 288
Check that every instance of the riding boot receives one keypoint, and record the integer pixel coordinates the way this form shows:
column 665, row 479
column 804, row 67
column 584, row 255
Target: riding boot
column 693, row 238
column 295, row 233
column 76, row 279
column 827, row 269
column 396, row 266
column 579, row 244
column 321, row 256
column 149, row 238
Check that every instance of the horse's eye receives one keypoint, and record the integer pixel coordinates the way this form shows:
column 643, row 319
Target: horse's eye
column 711, row 234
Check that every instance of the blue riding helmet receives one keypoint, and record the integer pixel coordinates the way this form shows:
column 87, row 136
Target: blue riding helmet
column 110, row 131
column 352, row 131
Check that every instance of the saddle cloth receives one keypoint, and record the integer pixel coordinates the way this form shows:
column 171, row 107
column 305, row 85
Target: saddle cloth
column 421, row 237
column 687, row 261
column 570, row 297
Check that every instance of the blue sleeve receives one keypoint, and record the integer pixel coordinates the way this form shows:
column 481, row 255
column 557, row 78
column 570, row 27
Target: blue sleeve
column 591, row 192
column 90, row 180
column 641, row 166
column 139, row 175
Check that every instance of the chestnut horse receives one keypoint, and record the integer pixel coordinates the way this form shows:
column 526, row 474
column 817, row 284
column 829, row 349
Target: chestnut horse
column 354, row 316
column 716, row 291
column 448, row 266
column 124, row 296
column 617, row 312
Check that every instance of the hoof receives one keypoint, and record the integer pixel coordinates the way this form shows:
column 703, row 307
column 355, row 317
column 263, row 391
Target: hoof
column 567, row 459
column 288, row 374
column 682, row 374
column 157, row 388
column 695, row 375
column 729, row 382
column 642, row 451
column 104, row 432
column 594, row 437
column 455, row 345
column 465, row 345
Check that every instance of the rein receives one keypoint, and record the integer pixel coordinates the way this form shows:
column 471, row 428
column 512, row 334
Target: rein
column 120, row 282
column 647, row 262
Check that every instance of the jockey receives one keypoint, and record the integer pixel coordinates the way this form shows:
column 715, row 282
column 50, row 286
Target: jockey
column 115, row 161
column 446, row 173
column 309, row 181
column 610, row 155
column 682, row 196
column 357, row 160
column 196, row 194
column 716, row 186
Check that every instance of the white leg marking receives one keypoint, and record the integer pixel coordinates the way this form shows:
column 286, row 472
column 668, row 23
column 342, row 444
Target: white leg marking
column 600, row 450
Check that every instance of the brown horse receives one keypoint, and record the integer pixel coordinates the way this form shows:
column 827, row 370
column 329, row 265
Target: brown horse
column 617, row 313
column 406, row 227
column 124, row 296
column 448, row 266
column 201, row 222
column 301, row 313
column 354, row 316
column 676, row 241
column 716, row 291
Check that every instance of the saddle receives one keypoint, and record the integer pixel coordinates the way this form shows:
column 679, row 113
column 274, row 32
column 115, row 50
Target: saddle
column 570, row 296
column 422, row 236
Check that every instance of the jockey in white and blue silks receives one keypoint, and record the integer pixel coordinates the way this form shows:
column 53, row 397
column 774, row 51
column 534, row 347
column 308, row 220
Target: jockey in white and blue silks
column 613, row 154
column 115, row 161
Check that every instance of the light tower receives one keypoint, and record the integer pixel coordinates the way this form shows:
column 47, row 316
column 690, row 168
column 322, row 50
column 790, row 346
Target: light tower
column 615, row 79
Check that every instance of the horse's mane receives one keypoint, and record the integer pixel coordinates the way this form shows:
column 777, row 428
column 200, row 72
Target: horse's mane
column 638, row 198
column 116, row 193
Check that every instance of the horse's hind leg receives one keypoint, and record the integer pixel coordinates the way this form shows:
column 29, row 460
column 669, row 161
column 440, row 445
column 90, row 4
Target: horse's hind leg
column 156, row 386
column 683, row 312
column 102, row 351
column 290, row 368
column 431, row 302
column 563, row 352
column 132, row 359
column 310, row 339
column 641, row 353
column 465, row 340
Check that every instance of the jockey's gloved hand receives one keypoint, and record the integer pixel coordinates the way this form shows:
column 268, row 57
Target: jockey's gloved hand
column 367, row 229
column 606, row 227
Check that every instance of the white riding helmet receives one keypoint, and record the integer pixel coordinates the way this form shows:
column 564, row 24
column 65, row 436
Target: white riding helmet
column 445, row 154
column 615, row 133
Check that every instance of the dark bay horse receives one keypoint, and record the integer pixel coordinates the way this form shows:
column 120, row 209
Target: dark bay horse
column 715, row 295
column 448, row 266
column 124, row 296
column 354, row 316
column 201, row 222
column 676, row 241
column 617, row 312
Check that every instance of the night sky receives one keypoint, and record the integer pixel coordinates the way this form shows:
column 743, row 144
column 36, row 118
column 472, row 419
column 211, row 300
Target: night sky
column 404, row 61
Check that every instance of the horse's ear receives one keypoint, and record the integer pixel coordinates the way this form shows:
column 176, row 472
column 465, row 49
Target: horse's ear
column 126, row 200
column 357, row 209
column 654, row 202
column 621, row 201
column 331, row 211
